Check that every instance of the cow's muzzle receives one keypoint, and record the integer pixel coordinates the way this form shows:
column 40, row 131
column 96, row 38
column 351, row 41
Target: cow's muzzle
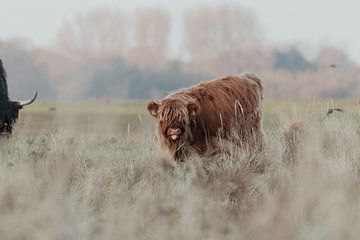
column 174, row 133
column 5, row 130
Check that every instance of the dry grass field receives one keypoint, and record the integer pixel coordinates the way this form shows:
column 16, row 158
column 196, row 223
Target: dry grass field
column 92, row 170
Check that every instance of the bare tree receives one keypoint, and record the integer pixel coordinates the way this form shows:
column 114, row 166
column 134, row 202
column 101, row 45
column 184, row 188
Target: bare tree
column 224, row 38
column 25, row 73
column 150, row 37
column 101, row 32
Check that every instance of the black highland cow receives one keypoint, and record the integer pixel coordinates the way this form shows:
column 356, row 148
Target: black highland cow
column 9, row 110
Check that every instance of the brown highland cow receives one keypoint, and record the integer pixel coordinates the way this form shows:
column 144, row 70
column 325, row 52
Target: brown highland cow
column 193, row 120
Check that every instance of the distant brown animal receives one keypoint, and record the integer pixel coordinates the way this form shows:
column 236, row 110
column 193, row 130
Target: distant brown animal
column 293, row 133
column 192, row 120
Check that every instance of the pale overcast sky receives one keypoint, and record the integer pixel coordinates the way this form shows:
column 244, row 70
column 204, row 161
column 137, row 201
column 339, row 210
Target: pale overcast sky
column 310, row 23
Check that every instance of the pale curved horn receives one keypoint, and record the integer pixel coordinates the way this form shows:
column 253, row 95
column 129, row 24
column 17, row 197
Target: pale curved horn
column 27, row 102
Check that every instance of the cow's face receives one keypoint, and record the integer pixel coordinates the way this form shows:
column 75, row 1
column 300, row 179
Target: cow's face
column 174, row 117
column 5, row 129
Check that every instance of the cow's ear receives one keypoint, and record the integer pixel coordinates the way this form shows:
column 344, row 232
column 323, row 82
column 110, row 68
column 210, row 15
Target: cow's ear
column 193, row 109
column 153, row 108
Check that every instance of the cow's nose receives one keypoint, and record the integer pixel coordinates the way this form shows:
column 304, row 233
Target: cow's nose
column 5, row 135
column 174, row 133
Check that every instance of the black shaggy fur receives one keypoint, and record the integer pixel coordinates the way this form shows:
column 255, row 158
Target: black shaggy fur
column 9, row 110
column 4, row 95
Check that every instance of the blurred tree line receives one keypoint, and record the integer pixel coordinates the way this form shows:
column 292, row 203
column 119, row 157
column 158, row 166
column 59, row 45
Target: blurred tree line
column 107, row 53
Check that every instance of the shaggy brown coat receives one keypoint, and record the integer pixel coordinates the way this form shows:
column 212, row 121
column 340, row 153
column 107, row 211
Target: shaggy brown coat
column 193, row 120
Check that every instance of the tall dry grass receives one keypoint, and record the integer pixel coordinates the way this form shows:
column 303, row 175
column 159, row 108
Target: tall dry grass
column 66, row 184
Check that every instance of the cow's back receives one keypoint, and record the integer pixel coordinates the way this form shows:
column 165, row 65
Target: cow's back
column 228, row 102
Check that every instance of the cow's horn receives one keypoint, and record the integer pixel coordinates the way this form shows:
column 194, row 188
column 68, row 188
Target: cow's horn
column 27, row 102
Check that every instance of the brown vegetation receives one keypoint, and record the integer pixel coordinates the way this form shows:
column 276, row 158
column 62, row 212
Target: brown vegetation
column 78, row 177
